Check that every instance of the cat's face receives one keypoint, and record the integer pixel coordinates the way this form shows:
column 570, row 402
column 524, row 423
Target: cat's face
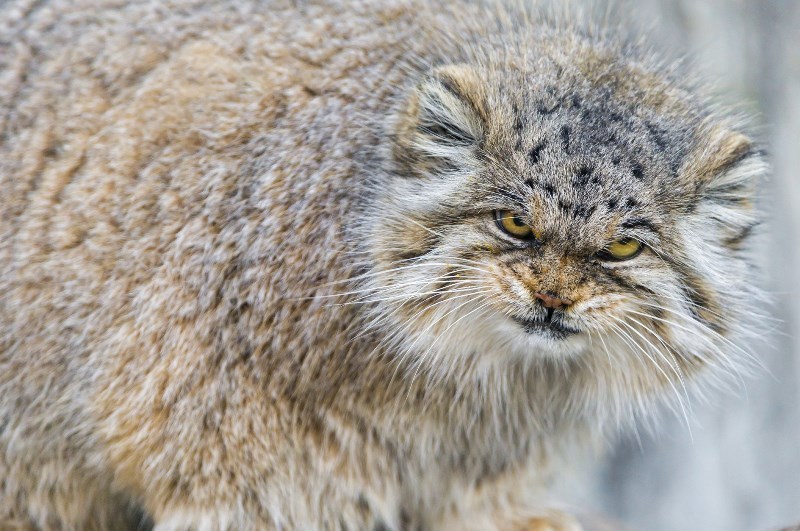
column 562, row 215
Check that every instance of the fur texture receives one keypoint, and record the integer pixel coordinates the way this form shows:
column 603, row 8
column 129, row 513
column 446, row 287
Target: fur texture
column 250, row 275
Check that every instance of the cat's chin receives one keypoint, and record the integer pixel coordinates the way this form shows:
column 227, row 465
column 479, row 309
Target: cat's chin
column 545, row 344
column 528, row 340
column 496, row 339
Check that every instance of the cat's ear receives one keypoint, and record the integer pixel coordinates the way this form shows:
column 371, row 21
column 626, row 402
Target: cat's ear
column 725, row 166
column 443, row 120
column 725, row 170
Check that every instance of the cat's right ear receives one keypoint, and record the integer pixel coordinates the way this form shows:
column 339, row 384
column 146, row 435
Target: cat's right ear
column 443, row 121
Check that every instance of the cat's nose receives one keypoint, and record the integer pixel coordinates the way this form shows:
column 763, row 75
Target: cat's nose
column 551, row 300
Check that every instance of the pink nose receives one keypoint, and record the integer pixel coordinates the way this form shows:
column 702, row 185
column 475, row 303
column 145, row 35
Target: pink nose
column 552, row 301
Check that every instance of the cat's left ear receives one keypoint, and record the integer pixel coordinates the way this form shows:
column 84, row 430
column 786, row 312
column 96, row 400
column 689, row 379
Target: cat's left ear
column 443, row 120
column 724, row 155
column 725, row 170
column 725, row 166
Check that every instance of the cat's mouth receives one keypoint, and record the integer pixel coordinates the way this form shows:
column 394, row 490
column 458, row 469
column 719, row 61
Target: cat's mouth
column 550, row 326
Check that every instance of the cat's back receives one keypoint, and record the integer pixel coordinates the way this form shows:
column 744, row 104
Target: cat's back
column 147, row 147
column 122, row 128
column 173, row 175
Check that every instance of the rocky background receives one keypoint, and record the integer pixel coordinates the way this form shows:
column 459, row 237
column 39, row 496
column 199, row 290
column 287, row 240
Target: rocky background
column 740, row 467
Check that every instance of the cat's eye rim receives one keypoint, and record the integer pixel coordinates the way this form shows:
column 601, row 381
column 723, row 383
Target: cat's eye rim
column 621, row 250
column 512, row 224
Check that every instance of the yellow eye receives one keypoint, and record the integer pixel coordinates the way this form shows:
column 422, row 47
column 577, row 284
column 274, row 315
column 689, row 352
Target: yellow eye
column 622, row 249
column 512, row 224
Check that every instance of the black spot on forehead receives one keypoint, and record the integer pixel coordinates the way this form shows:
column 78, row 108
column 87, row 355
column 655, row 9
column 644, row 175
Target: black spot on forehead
column 536, row 152
column 584, row 211
column 607, row 149
column 658, row 135
column 615, row 116
column 565, row 134
column 582, row 176
column 636, row 170
column 542, row 108
column 549, row 103
column 519, row 118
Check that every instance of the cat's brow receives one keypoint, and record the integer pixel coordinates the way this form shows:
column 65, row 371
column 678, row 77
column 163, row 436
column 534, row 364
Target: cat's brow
column 640, row 223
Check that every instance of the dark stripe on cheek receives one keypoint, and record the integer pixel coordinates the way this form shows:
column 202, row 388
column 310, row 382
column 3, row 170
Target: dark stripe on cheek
column 735, row 242
column 411, row 254
column 700, row 302
column 702, row 306
column 519, row 124
column 629, row 285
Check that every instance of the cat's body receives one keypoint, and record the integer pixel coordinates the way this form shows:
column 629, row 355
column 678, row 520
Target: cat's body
column 211, row 214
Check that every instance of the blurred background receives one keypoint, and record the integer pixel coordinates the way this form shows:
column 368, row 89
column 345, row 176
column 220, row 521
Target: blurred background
column 740, row 468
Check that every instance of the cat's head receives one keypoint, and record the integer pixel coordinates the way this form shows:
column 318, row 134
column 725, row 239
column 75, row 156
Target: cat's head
column 582, row 207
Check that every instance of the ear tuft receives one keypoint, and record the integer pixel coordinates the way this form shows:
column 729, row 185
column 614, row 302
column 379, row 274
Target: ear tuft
column 724, row 171
column 722, row 150
column 725, row 166
column 443, row 119
column 447, row 106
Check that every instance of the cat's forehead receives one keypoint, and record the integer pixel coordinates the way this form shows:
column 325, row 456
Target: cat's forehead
column 588, row 127
column 627, row 130
column 583, row 155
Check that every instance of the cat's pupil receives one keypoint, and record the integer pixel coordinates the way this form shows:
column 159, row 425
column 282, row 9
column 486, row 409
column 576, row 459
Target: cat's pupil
column 517, row 221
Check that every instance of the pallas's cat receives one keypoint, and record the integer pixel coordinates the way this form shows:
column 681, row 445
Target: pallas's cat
column 345, row 265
